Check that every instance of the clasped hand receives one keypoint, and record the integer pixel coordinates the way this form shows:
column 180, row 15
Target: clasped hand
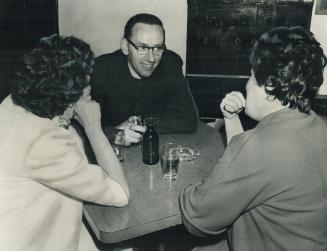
column 87, row 113
column 232, row 104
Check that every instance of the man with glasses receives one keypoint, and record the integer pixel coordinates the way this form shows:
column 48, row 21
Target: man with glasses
column 143, row 78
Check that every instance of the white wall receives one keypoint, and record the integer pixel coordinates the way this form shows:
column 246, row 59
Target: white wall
column 101, row 22
column 319, row 29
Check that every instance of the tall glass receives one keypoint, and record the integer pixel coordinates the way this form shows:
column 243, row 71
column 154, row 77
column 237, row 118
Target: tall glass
column 117, row 141
column 119, row 145
column 169, row 161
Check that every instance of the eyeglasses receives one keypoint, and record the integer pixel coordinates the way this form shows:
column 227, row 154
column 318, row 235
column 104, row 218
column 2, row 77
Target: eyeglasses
column 145, row 49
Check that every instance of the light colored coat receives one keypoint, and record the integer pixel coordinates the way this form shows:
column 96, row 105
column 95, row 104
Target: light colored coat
column 44, row 178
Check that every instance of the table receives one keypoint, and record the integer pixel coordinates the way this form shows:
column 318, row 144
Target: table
column 154, row 202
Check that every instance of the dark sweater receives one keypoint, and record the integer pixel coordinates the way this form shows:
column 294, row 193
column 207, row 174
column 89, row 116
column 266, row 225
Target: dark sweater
column 165, row 94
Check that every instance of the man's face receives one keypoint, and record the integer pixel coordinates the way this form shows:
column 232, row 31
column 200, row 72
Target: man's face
column 256, row 99
column 142, row 66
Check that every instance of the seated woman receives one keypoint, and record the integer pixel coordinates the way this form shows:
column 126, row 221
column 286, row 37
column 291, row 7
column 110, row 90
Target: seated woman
column 44, row 173
column 269, row 190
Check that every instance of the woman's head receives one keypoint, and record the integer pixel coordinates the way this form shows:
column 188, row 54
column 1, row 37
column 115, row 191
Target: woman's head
column 53, row 75
column 288, row 63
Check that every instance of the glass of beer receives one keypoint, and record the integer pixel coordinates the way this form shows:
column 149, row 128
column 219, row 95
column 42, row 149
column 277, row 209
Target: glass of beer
column 169, row 161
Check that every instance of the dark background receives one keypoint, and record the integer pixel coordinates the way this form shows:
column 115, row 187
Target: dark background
column 22, row 23
column 220, row 36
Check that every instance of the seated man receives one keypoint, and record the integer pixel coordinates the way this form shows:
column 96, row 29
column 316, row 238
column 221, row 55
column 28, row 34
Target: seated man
column 143, row 78
column 269, row 189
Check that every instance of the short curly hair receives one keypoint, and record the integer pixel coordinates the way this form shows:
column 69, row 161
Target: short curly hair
column 53, row 75
column 289, row 63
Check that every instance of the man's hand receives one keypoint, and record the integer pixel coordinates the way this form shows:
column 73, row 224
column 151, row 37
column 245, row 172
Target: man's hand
column 232, row 104
column 132, row 133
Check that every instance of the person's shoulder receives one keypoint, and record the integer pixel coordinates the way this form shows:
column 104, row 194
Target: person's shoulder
column 170, row 62
column 108, row 64
column 58, row 139
column 172, row 54
column 107, row 58
column 47, row 130
column 172, row 57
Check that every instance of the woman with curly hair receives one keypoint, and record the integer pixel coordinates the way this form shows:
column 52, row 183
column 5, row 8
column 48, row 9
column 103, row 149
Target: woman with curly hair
column 269, row 191
column 44, row 173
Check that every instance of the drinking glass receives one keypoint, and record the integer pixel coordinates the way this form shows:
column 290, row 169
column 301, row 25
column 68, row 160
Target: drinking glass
column 169, row 161
column 117, row 142
column 119, row 145
column 136, row 120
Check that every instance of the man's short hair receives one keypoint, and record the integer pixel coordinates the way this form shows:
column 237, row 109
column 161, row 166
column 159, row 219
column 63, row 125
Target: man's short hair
column 141, row 18
column 289, row 63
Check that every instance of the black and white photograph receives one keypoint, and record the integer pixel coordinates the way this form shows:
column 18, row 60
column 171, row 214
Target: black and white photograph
column 163, row 125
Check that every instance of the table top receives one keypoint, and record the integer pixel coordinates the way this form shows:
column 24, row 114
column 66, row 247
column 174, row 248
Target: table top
column 154, row 202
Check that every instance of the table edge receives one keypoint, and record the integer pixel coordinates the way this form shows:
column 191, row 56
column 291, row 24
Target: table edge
column 133, row 232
